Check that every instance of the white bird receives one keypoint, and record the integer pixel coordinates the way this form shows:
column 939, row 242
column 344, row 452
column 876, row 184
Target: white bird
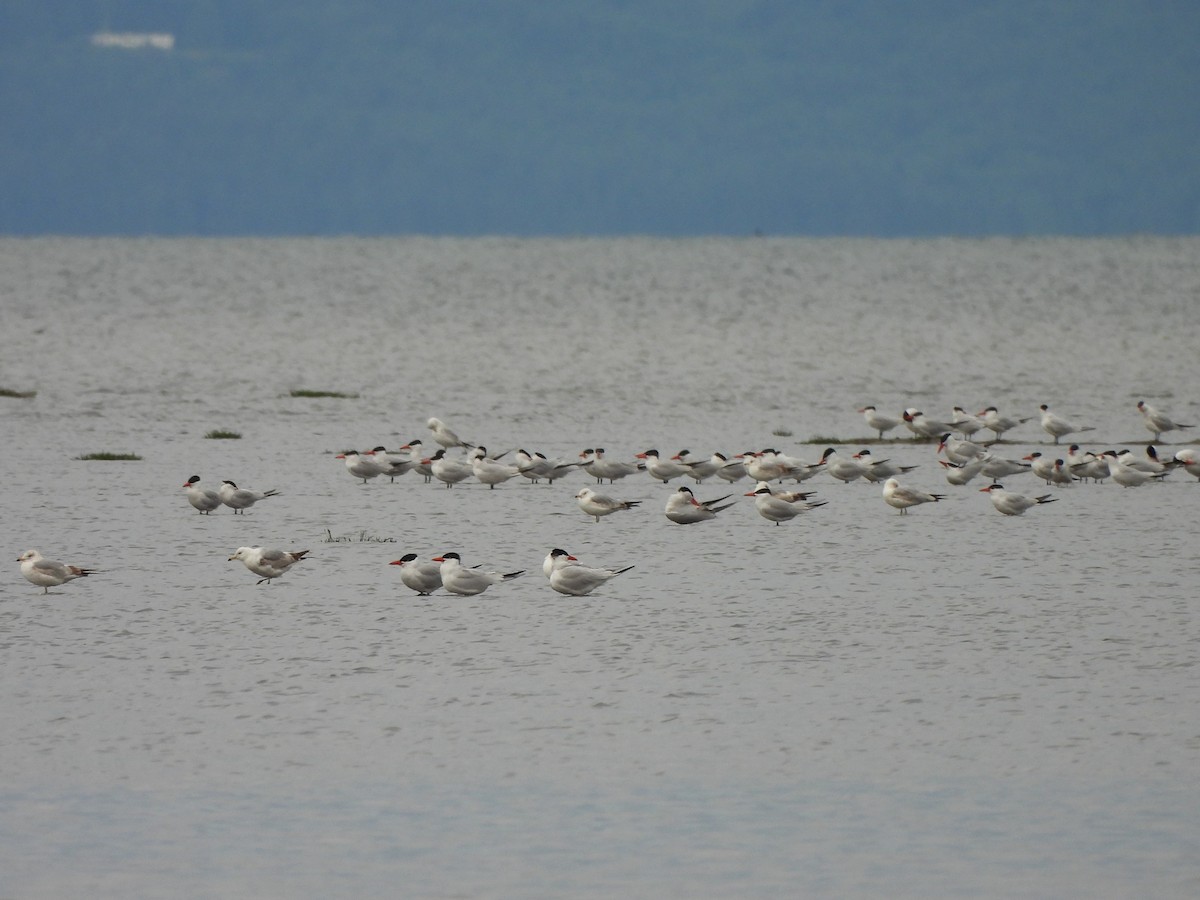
column 881, row 470
column 699, row 469
column 843, row 469
column 567, row 576
column 269, row 563
column 598, row 505
column 536, row 466
column 1127, row 475
column 998, row 424
column 360, row 465
column 449, row 470
column 959, row 451
column 1151, row 463
column 1041, row 466
column 392, row 465
column 1000, row 467
column 1084, row 465
column 1013, row 504
column 901, row 498
column 661, row 469
column 780, row 506
column 600, row 467
column 1156, row 421
column 877, row 421
column 458, row 579
column 203, row 499
column 967, row 424
column 240, row 499
column 923, row 426
column 48, row 573
column 445, row 436
column 684, row 509
column 1058, row 427
column 420, row 466
column 959, row 475
column 732, row 470
column 423, row 576
column 489, row 471
column 1190, row 460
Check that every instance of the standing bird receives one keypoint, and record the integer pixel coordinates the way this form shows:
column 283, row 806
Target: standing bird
column 901, row 498
column 959, row 475
column 423, row 576
column 878, row 421
column 780, row 506
column 598, row 505
column 1156, row 421
column 998, row 424
column 48, row 573
column 1013, row 504
column 490, row 471
column 269, row 563
column 240, row 499
column 203, row 499
column 662, row 469
column 448, row 470
column 1058, row 427
column 361, row 465
column 567, row 576
column 880, row 470
column 458, row 579
column 445, row 436
column 599, row 467
column 684, row 509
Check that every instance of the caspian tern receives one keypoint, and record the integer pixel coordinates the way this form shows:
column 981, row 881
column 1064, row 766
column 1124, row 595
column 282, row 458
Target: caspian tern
column 390, row 464
column 901, row 498
column 699, row 469
column 268, row 563
column 423, row 576
column 780, row 506
column 998, row 424
column 1000, row 467
column 445, row 436
column 661, row 469
column 967, row 424
column 881, row 470
column 958, row 451
column 598, row 505
column 241, row 499
column 1013, row 504
column 458, row 579
column 567, row 576
column 48, row 573
column 877, row 421
column 732, row 470
column 535, row 466
column 1085, row 465
column 203, row 499
column 923, row 426
column 1128, row 471
column 1058, row 427
column 843, row 469
column 422, row 468
column 1156, row 421
column 1151, row 463
column 959, row 475
column 1190, row 460
column 684, row 509
column 600, row 467
column 1041, row 466
column 449, row 470
column 489, row 471
column 360, row 465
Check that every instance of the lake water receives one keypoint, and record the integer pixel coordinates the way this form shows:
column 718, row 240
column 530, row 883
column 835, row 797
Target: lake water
column 854, row 704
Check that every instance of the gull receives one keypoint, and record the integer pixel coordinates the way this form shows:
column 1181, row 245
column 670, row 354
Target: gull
column 880, row 470
column 567, row 576
column 662, row 469
column 360, row 465
column 779, row 506
column 1057, row 427
column 449, row 470
column 489, row 471
column 445, row 436
column 241, row 499
column 423, row 576
column 458, row 579
column 598, row 505
column 998, row 424
column 1156, row 421
column 48, row 573
column 684, row 509
column 203, row 499
column 900, row 497
column 269, row 563
column 878, row 421
column 1013, row 504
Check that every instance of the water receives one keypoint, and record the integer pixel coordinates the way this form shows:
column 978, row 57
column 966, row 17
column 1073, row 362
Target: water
column 855, row 703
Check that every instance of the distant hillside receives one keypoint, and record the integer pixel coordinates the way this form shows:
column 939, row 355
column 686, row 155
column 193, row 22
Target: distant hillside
column 601, row 117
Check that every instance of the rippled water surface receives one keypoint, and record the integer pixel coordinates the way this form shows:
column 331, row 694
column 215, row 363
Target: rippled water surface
column 855, row 703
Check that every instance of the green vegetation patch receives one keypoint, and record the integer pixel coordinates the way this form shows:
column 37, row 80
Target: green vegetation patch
column 20, row 395
column 338, row 394
column 109, row 456
column 219, row 435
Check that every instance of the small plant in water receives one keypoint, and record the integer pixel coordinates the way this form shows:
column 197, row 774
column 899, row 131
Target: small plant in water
column 782, row 432
column 219, row 435
column 361, row 537
column 108, row 456
column 338, row 394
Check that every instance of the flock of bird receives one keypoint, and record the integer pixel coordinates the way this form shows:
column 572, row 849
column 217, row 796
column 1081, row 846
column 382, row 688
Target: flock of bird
column 965, row 459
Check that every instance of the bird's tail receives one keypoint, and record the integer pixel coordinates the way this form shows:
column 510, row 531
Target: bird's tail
column 1046, row 498
column 511, row 575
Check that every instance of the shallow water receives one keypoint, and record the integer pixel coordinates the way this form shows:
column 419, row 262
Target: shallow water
column 951, row 702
